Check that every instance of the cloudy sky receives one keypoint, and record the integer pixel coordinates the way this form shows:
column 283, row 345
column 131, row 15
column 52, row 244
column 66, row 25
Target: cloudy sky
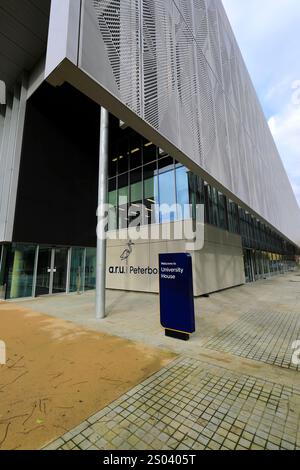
column 268, row 32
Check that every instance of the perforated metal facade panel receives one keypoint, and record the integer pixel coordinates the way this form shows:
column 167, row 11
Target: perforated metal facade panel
column 177, row 66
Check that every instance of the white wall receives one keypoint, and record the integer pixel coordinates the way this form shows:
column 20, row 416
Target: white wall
column 219, row 265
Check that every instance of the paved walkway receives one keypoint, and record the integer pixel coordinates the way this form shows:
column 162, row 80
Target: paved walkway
column 233, row 386
column 191, row 405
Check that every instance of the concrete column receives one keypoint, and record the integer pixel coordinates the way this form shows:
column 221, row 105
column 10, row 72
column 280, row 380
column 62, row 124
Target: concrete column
column 102, row 200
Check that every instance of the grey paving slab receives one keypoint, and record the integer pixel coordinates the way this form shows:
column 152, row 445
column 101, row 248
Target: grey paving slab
column 260, row 335
column 200, row 384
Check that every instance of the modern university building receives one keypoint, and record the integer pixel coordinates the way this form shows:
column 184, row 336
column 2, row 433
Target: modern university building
column 184, row 126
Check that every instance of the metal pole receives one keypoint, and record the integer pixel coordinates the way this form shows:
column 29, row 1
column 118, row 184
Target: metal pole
column 102, row 199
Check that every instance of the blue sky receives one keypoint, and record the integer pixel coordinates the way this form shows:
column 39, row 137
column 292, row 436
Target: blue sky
column 268, row 32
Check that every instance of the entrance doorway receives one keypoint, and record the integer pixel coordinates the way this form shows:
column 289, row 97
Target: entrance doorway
column 52, row 271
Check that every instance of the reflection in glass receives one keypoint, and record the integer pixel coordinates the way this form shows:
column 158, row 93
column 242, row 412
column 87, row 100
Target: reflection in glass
column 43, row 271
column 150, row 193
column 77, row 270
column 182, row 192
column 136, row 195
column 90, row 269
column 150, row 152
column 113, row 201
column 123, row 200
column 113, row 161
column 60, row 270
column 167, row 193
column 20, row 271
column 123, row 156
column 222, row 212
column 135, row 151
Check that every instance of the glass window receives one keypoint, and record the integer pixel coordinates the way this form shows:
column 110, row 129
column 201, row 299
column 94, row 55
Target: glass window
column 150, row 193
column 182, row 192
column 90, row 269
column 196, row 192
column 222, row 212
column 60, row 270
column 136, row 194
column 113, row 161
column 211, row 212
column 135, row 151
column 123, row 156
column 20, row 271
column 123, row 200
column 44, row 271
column 136, row 186
column 113, row 201
column 77, row 270
column 149, row 151
column 207, row 203
column 214, row 196
column 166, row 163
column 167, row 192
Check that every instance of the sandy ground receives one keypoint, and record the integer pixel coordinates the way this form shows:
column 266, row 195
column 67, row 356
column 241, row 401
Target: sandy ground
column 58, row 374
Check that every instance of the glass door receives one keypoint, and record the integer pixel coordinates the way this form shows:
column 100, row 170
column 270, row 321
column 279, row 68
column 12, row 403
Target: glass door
column 51, row 271
column 44, row 272
column 59, row 269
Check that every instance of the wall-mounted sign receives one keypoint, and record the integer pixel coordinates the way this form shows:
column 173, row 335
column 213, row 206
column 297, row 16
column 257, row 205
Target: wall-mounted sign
column 177, row 312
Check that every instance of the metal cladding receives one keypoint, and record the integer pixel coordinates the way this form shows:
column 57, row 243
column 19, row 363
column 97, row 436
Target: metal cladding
column 177, row 66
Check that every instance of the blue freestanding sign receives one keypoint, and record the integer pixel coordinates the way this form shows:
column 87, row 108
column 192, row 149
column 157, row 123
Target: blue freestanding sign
column 176, row 294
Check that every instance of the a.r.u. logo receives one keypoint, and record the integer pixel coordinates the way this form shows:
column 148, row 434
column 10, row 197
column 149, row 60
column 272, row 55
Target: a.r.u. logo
column 2, row 353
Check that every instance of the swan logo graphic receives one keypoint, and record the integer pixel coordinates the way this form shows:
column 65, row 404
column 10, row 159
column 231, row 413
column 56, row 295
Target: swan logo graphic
column 127, row 252
column 134, row 270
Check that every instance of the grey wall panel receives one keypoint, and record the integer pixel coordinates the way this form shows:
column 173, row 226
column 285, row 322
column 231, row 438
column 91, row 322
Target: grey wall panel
column 63, row 34
column 177, row 66
column 10, row 153
column 3, row 161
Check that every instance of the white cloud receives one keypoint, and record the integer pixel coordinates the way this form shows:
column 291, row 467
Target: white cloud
column 285, row 127
column 279, row 89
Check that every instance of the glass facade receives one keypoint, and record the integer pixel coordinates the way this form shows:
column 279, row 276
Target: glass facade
column 43, row 271
column 77, row 270
column 142, row 175
column 60, row 270
column 20, row 271
column 32, row 271
column 90, row 269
